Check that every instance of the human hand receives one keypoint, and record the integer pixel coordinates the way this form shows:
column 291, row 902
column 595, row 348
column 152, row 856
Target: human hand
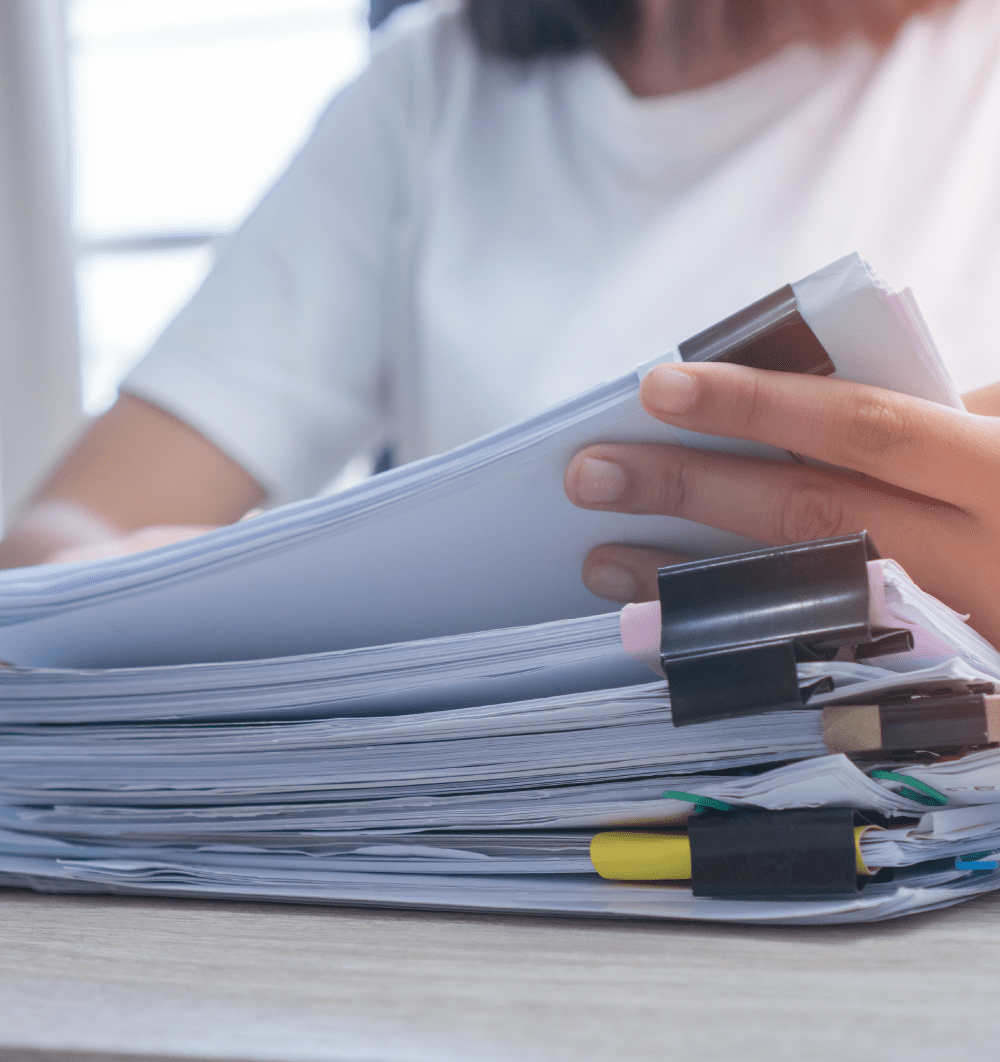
column 922, row 478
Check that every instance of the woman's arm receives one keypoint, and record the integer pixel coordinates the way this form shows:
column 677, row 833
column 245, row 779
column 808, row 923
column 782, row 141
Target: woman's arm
column 136, row 479
column 924, row 479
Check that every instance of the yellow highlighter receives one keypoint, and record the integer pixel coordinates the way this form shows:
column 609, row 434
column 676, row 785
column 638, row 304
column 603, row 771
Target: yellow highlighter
column 642, row 856
column 627, row 856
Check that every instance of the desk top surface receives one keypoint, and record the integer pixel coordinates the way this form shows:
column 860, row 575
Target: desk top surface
column 99, row 977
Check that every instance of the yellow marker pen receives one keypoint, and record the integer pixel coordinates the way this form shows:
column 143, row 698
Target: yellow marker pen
column 642, row 856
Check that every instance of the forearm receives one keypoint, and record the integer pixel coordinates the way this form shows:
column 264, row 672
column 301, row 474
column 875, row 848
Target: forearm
column 136, row 467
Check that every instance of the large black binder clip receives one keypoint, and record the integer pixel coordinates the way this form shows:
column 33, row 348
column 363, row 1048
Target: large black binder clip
column 733, row 628
column 768, row 854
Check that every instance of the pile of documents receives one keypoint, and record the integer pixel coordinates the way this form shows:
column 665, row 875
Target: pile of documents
column 403, row 696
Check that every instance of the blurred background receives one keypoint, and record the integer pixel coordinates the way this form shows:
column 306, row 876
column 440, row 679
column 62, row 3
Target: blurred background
column 134, row 136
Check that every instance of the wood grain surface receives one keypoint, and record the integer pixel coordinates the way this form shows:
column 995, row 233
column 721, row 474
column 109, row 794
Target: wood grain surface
column 87, row 978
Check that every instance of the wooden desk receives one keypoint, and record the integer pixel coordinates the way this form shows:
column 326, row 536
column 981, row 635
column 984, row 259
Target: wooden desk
column 93, row 977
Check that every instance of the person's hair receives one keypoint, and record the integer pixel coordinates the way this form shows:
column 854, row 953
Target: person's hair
column 531, row 29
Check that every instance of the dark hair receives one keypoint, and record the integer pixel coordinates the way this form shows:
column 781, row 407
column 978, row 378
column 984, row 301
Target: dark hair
column 530, row 29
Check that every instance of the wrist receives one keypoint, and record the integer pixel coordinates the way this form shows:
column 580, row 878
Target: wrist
column 50, row 526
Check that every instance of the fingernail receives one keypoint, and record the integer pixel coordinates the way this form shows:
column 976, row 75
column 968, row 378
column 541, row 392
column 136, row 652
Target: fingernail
column 670, row 391
column 599, row 481
column 611, row 582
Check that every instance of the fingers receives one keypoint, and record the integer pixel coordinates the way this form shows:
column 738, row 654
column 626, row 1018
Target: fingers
column 985, row 401
column 923, row 447
column 626, row 573
column 767, row 501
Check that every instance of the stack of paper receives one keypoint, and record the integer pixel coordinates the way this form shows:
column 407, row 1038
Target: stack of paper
column 402, row 695
column 485, row 667
column 573, row 740
column 313, row 808
column 290, row 852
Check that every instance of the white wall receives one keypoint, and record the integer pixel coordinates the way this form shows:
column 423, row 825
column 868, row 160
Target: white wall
column 39, row 357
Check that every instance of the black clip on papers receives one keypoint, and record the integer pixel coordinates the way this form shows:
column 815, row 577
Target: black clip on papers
column 771, row 854
column 770, row 334
column 733, row 628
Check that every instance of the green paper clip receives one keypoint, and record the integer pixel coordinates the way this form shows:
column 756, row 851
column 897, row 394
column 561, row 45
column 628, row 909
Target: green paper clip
column 701, row 801
column 920, row 791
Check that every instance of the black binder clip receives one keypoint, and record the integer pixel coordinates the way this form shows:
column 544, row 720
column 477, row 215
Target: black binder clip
column 770, row 854
column 770, row 334
column 733, row 628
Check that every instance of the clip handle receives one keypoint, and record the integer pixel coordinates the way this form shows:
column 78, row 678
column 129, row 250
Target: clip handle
column 748, row 680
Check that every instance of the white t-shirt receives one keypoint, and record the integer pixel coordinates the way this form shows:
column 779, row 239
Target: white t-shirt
column 464, row 241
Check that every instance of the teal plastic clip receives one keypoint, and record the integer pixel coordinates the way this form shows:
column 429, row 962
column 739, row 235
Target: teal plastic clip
column 914, row 789
column 703, row 802
column 975, row 861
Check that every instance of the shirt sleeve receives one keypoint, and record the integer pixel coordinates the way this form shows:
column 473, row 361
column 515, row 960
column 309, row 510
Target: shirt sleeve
column 280, row 358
